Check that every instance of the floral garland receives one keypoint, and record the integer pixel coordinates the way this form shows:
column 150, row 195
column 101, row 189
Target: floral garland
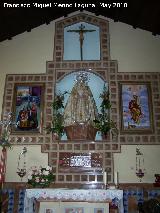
column 40, row 177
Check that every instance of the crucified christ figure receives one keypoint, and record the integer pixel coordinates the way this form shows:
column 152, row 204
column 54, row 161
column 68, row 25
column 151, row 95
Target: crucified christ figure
column 81, row 32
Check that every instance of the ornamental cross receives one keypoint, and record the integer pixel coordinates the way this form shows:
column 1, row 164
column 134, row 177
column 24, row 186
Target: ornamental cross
column 81, row 32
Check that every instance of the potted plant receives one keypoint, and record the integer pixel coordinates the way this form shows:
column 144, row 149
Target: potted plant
column 57, row 127
column 103, row 122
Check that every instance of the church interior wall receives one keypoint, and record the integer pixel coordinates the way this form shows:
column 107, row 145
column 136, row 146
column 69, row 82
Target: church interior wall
column 26, row 53
column 34, row 157
column 37, row 48
column 134, row 49
column 125, row 163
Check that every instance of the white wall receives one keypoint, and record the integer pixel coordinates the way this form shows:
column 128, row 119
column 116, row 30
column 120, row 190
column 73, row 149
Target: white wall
column 136, row 50
column 34, row 157
column 125, row 163
column 28, row 52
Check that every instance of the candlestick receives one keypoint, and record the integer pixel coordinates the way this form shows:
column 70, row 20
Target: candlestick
column 116, row 178
column 105, row 178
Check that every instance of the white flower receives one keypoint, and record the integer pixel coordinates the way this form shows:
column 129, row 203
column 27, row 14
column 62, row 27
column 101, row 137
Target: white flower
column 39, row 172
column 38, row 175
column 48, row 168
column 37, row 179
column 29, row 177
column 46, row 172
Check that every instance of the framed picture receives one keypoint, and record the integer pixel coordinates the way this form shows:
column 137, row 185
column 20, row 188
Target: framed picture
column 136, row 107
column 28, row 108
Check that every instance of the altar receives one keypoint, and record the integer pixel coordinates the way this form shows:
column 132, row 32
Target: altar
column 71, row 200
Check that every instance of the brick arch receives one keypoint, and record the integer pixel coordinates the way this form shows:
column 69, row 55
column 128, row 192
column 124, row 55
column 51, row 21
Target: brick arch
column 63, row 74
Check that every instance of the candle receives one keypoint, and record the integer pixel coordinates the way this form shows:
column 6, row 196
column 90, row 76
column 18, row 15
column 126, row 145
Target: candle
column 105, row 178
column 116, row 178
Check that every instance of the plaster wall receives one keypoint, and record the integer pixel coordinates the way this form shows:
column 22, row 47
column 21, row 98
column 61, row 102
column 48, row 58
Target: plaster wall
column 34, row 157
column 135, row 50
column 125, row 163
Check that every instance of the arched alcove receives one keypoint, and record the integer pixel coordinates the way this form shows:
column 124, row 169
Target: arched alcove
column 95, row 82
column 69, row 82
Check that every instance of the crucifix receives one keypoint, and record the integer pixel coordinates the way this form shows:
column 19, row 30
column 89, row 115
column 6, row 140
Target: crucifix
column 81, row 32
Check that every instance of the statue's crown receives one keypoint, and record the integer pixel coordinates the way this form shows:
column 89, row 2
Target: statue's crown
column 82, row 77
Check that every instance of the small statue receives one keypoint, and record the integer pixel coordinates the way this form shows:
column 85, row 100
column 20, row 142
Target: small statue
column 80, row 111
column 80, row 107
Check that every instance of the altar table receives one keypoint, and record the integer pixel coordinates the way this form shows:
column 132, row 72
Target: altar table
column 71, row 195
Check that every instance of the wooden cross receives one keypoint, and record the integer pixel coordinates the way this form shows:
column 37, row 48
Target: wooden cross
column 81, row 32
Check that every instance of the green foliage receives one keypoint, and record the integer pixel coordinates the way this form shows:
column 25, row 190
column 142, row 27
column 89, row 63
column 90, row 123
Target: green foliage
column 103, row 122
column 57, row 125
column 57, row 121
column 4, row 139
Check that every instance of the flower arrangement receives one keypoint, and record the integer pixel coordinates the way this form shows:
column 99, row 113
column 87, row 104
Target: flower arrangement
column 39, row 176
column 103, row 122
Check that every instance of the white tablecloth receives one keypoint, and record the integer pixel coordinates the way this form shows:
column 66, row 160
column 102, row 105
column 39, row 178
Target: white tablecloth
column 72, row 194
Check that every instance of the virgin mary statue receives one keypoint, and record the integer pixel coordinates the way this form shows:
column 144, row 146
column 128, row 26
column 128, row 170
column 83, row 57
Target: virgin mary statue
column 80, row 110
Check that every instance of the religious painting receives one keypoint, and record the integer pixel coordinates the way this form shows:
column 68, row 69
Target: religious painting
column 74, row 210
column 136, row 107
column 28, row 108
